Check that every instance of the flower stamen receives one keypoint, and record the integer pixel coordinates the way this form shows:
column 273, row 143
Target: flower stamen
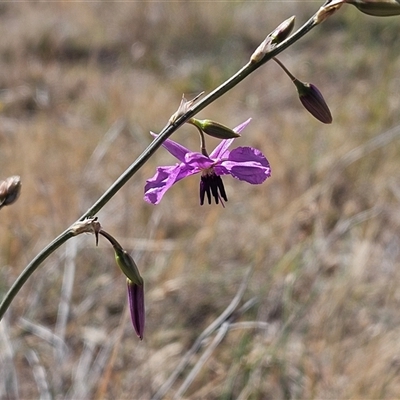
column 212, row 185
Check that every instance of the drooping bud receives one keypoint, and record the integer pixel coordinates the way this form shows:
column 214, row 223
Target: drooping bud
column 377, row 8
column 214, row 129
column 313, row 101
column 136, row 306
column 310, row 97
column 134, row 282
column 277, row 36
column 10, row 189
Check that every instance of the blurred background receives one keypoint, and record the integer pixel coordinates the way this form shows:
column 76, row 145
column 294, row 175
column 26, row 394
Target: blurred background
column 81, row 86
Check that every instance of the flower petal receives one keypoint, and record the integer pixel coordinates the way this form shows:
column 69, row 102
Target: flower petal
column 221, row 149
column 163, row 179
column 247, row 164
column 198, row 161
column 241, row 126
column 176, row 149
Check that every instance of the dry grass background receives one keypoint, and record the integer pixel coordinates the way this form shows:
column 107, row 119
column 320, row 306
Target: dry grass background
column 81, row 86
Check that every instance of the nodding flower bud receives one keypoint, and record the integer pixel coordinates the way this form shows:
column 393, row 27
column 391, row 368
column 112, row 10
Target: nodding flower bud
column 313, row 101
column 377, row 8
column 277, row 36
column 214, row 129
column 136, row 307
column 10, row 190
column 310, row 97
column 134, row 281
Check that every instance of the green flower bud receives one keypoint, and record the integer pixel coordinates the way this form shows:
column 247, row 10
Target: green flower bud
column 377, row 8
column 214, row 129
column 10, row 190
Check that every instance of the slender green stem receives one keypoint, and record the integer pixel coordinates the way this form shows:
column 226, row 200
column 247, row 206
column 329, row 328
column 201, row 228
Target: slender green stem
column 168, row 130
column 202, row 142
column 288, row 73
column 202, row 139
column 31, row 267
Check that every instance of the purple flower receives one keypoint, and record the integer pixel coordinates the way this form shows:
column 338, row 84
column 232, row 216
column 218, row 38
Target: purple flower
column 243, row 163
column 136, row 306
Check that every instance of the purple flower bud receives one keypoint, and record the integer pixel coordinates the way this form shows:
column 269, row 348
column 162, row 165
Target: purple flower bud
column 313, row 101
column 136, row 306
column 310, row 97
column 10, row 190
column 377, row 8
